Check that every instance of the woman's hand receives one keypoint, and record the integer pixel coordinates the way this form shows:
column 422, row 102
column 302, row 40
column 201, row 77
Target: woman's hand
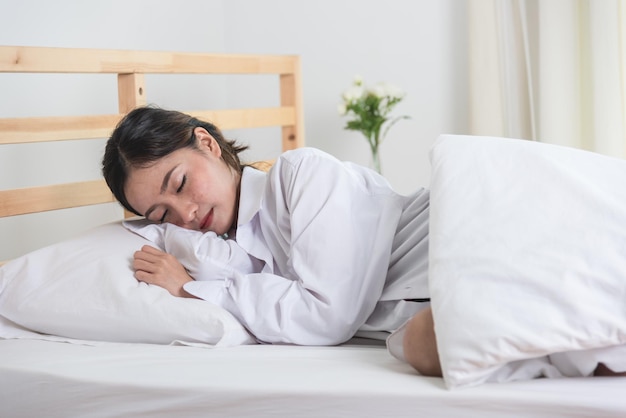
column 153, row 266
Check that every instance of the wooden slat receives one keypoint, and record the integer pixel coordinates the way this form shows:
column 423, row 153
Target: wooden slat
column 58, row 196
column 41, row 129
column 63, row 60
column 248, row 118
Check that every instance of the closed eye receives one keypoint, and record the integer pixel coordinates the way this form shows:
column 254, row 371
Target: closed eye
column 180, row 189
column 182, row 184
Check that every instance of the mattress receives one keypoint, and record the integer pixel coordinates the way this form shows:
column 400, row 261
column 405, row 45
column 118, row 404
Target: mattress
column 357, row 379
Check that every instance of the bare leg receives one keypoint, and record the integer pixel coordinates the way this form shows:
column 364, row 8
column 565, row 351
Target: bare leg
column 420, row 346
column 602, row 370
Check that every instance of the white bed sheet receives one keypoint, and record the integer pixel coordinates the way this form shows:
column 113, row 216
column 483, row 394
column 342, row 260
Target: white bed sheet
column 43, row 378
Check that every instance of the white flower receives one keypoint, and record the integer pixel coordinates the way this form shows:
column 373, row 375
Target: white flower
column 386, row 90
column 394, row 92
column 379, row 90
column 354, row 93
column 368, row 110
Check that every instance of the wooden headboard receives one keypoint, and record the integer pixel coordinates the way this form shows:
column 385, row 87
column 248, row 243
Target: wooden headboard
column 129, row 68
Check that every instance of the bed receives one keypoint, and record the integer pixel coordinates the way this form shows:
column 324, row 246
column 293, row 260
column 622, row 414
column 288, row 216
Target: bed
column 109, row 352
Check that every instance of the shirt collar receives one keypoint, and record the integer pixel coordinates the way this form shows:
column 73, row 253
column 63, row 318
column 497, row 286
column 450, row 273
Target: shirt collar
column 253, row 183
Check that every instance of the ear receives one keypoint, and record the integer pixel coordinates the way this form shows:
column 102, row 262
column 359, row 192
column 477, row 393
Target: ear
column 206, row 142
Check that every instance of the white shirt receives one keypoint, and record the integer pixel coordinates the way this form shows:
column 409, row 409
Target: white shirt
column 340, row 251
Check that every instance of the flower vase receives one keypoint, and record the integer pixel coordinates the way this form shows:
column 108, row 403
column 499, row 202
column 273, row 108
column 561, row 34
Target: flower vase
column 376, row 159
column 368, row 110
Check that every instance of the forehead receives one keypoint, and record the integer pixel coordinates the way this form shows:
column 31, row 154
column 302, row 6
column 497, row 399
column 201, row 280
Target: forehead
column 144, row 184
column 151, row 171
column 182, row 157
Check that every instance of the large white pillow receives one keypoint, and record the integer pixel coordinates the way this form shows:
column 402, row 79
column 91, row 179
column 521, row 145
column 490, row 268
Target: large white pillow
column 527, row 257
column 83, row 289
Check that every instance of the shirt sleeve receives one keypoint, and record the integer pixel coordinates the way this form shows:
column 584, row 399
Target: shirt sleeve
column 206, row 256
column 334, row 224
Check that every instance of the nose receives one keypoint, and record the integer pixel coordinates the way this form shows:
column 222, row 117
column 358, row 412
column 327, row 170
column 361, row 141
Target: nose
column 185, row 214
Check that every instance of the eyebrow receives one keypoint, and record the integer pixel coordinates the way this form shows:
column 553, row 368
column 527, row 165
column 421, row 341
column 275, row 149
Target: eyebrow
column 166, row 180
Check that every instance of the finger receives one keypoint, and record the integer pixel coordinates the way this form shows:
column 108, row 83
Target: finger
column 152, row 254
column 145, row 277
column 144, row 265
column 141, row 257
column 151, row 250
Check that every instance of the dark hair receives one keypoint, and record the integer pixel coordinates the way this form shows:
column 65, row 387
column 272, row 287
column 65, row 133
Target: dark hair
column 147, row 134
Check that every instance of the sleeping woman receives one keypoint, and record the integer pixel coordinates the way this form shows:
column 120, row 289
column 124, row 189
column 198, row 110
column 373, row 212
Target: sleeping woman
column 327, row 249
column 341, row 252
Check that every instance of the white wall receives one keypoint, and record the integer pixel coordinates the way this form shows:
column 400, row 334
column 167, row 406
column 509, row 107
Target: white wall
column 416, row 44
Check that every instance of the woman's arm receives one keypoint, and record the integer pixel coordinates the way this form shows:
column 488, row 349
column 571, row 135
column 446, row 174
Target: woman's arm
column 186, row 255
column 204, row 255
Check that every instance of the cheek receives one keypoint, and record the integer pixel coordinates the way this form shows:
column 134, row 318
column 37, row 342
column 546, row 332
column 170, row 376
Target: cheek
column 198, row 191
column 215, row 186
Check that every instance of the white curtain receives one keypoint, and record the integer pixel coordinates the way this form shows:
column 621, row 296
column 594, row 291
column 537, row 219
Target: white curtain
column 549, row 70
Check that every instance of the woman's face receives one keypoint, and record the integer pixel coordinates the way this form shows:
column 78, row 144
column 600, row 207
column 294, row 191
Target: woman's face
column 191, row 189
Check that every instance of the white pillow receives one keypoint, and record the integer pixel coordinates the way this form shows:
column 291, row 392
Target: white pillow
column 527, row 256
column 84, row 289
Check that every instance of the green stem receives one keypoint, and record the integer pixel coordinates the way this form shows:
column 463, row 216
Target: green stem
column 376, row 159
column 374, row 147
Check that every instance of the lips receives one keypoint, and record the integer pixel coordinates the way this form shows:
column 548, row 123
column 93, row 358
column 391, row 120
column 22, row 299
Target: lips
column 206, row 222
